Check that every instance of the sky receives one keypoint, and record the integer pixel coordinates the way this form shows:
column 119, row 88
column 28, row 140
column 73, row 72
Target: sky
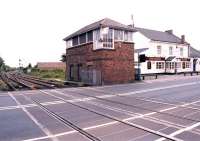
column 32, row 30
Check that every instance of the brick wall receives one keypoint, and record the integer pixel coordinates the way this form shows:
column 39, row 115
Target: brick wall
column 116, row 66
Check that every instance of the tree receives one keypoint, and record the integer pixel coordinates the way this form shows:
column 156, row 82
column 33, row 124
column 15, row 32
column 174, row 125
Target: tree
column 2, row 65
column 63, row 57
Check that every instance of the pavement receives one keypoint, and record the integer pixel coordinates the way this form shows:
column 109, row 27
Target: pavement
column 159, row 110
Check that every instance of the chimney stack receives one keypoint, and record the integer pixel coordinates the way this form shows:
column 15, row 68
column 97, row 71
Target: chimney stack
column 169, row 31
column 182, row 39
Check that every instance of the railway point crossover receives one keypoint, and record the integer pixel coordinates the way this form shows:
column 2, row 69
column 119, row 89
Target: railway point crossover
column 158, row 111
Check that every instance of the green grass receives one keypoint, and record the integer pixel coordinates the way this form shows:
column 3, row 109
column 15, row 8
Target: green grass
column 49, row 74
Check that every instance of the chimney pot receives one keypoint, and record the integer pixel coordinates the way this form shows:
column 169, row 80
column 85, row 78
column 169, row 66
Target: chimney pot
column 182, row 39
column 169, row 31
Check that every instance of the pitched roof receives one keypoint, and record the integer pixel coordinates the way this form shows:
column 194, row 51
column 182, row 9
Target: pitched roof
column 102, row 23
column 194, row 52
column 159, row 35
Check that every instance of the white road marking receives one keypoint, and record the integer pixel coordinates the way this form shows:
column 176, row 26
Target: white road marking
column 31, row 105
column 131, row 93
column 159, row 88
column 72, row 132
column 44, row 129
column 117, row 109
column 101, row 125
column 191, row 103
column 181, row 131
column 121, row 110
column 113, row 109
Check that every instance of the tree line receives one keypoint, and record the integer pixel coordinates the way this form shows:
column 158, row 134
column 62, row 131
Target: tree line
column 3, row 66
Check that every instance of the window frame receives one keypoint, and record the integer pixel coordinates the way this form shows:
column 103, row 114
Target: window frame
column 107, row 39
column 80, row 38
column 118, row 31
column 170, row 50
column 88, row 41
column 149, row 66
column 76, row 37
column 128, row 35
column 181, row 51
column 160, row 65
column 159, row 50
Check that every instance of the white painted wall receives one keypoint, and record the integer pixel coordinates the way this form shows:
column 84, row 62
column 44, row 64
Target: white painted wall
column 165, row 49
column 143, row 42
column 198, row 65
column 153, row 69
column 140, row 41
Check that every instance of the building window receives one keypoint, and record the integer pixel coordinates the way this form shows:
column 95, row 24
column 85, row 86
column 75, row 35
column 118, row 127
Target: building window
column 118, row 35
column 149, row 65
column 96, row 35
column 172, row 65
column 187, row 65
column 75, row 41
column 170, row 50
column 128, row 36
column 159, row 50
column 69, row 43
column 181, row 51
column 159, row 65
column 107, row 38
column 90, row 36
column 82, row 38
column 183, row 65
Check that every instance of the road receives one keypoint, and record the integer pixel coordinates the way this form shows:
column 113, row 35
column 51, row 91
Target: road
column 151, row 110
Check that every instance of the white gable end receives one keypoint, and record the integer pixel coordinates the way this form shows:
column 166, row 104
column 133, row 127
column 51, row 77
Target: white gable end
column 140, row 41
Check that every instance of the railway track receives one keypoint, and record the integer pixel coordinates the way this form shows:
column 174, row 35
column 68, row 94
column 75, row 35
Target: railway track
column 19, row 81
column 65, row 121
column 113, row 118
column 130, row 113
column 135, row 106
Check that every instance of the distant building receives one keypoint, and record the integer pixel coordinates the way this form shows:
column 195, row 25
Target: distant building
column 164, row 51
column 51, row 65
column 101, row 53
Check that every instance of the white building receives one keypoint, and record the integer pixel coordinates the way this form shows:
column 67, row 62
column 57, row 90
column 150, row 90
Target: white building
column 195, row 55
column 164, row 51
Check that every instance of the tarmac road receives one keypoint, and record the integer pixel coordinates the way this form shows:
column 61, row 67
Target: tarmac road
column 150, row 110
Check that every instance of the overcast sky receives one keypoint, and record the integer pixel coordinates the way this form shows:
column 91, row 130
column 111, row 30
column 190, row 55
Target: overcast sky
column 32, row 30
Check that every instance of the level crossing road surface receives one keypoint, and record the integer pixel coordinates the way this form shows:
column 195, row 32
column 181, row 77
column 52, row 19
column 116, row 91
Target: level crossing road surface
column 158, row 110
